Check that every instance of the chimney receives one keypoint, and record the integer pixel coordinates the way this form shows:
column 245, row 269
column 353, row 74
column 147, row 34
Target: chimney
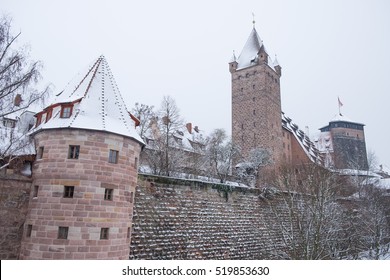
column 189, row 127
column 196, row 128
column 18, row 99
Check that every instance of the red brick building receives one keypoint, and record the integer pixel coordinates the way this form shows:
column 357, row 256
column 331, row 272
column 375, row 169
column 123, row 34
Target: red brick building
column 257, row 117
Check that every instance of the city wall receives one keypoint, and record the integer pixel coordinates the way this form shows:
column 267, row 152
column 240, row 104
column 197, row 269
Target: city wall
column 14, row 197
column 182, row 219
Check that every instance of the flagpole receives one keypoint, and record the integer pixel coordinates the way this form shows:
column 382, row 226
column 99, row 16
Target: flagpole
column 339, row 108
column 340, row 104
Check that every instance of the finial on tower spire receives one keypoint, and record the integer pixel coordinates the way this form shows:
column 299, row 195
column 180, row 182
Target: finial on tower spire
column 254, row 22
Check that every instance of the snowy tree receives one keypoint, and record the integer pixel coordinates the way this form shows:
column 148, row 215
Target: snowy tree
column 145, row 115
column 15, row 146
column 359, row 178
column 376, row 222
column 249, row 170
column 368, row 231
column 18, row 80
column 164, row 154
column 220, row 153
column 308, row 219
column 18, row 74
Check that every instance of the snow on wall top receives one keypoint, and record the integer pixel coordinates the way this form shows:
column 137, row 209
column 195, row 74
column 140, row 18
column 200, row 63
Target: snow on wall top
column 97, row 104
column 249, row 54
column 340, row 118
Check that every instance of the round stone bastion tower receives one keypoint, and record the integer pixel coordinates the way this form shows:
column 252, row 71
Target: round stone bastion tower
column 85, row 173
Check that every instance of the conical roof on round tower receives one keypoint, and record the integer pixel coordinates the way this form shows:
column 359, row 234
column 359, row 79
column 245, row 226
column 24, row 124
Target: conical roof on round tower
column 91, row 101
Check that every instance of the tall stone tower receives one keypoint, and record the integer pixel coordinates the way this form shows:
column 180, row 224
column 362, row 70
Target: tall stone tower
column 256, row 102
column 343, row 144
column 85, row 173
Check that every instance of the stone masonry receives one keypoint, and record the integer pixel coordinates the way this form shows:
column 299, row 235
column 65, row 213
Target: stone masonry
column 181, row 219
column 14, row 197
column 256, row 109
column 97, row 225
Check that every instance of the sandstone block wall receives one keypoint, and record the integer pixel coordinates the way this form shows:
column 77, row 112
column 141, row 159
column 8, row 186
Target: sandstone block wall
column 14, row 197
column 87, row 212
column 256, row 110
column 193, row 220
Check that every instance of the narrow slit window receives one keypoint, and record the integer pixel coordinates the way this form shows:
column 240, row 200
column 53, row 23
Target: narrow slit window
column 28, row 230
column 73, row 152
column 136, row 163
column 40, row 152
column 35, row 191
column 104, row 233
column 131, row 197
column 108, row 194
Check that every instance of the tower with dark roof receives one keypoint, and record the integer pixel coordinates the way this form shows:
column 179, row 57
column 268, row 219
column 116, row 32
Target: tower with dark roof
column 256, row 101
column 85, row 173
column 343, row 144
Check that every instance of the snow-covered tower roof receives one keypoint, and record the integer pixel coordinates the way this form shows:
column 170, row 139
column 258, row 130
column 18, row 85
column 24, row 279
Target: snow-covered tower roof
column 340, row 118
column 92, row 101
column 249, row 54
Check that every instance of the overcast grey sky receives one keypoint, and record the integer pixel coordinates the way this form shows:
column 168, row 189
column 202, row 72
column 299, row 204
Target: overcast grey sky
column 181, row 48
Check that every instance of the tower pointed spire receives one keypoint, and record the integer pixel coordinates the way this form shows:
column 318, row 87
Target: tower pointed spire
column 233, row 58
column 253, row 21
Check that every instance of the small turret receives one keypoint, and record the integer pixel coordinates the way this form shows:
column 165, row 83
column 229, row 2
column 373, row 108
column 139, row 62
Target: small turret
column 262, row 55
column 277, row 67
column 233, row 63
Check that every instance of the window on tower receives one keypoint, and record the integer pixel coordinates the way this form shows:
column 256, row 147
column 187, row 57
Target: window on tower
column 35, row 192
column 68, row 191
column 73, row 152
column 113, row 156
column 63, row 232
column 40, row 152
column 108, row 194
column 29, row 230
column 104, row 233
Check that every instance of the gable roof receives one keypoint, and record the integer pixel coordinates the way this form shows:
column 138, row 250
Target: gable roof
column 96, row 104
column 303, row 139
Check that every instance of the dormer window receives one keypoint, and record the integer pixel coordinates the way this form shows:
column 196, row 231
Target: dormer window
column 48, row 114
column 66, row 111
column 39, row 119
column 9, row 123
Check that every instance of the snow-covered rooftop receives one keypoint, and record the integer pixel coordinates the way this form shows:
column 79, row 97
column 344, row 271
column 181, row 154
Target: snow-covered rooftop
column 96, row 104
column 303, row 139
column 249, row 53
column 342, row 118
